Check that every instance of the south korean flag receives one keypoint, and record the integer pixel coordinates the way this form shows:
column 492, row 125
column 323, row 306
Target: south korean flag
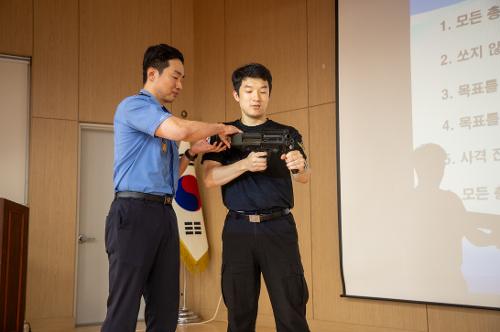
column 187, row 206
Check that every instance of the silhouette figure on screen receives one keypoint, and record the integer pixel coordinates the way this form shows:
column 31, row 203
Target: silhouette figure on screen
column 440, row 223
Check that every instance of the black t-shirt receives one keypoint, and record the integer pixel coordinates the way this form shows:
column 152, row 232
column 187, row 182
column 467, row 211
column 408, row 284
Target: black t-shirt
column 268, row 190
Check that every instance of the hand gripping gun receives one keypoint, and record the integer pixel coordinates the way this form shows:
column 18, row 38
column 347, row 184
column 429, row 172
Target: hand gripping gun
column 271, row 141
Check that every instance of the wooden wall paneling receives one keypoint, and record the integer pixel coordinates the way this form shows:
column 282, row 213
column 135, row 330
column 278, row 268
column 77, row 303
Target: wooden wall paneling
column 52, row 201
column 113, row 38
column 55, row 59
column 16, row 27
column 328, row 305
column 444, row 319
column 321, row 55
column 183, row 39
column 182, row 25
column 325, row 253
column 299, row 119
column 209, row 106
column 209, row 60
column 273, row 33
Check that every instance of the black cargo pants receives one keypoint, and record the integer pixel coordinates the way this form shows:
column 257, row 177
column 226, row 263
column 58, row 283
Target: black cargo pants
column 271, row 248
column 142, row 242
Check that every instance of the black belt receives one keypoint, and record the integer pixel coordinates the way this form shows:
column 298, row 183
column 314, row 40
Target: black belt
column 166, row 199
column 258, row 217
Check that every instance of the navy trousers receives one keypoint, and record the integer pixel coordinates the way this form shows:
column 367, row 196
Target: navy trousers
column 142, row 243
column 269, row 248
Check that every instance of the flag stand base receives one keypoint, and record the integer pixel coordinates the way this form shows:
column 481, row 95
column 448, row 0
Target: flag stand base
column 187, row 316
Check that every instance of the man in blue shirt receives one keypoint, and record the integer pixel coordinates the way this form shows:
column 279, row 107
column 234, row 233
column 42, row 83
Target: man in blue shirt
column 142, row 240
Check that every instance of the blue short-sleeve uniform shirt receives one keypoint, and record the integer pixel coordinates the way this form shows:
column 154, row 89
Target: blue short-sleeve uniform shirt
column 141, row 163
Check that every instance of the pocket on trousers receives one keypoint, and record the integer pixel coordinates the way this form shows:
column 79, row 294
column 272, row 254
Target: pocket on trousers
column 238, row 286
column 135, row 233
column 225, row 226
column 131, row 249
column 296, row 286
column 110, row 233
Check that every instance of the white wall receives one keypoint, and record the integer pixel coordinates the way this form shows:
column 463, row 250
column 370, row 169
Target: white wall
column 14, row 128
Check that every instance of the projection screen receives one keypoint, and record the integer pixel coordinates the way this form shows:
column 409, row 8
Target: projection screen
column 419, row 150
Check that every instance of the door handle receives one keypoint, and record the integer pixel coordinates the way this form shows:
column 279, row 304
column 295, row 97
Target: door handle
column 82, row 238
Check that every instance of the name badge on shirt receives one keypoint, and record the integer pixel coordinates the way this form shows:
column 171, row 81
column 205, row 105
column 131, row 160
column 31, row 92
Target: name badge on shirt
column 163, row 146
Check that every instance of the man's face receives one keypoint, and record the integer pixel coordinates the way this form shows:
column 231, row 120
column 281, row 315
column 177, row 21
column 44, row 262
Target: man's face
column 253, row 97
column 168, row 85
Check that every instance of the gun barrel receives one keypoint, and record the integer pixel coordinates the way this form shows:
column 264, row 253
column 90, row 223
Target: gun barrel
column 246, row 139
column 265, row 139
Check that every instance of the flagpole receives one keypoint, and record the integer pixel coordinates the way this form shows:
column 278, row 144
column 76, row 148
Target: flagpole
column 186, row 316
column 184, row 286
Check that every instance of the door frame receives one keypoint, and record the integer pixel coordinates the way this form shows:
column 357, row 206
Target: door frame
column 82, row 126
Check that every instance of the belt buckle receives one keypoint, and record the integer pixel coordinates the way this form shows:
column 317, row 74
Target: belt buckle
column 254, row 217
column 167, row 200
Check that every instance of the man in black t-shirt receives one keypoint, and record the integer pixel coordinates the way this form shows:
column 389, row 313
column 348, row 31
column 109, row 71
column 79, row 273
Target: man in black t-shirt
column 260, row 234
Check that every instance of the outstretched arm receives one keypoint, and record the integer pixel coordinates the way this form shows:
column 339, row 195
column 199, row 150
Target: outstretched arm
column 177, row 129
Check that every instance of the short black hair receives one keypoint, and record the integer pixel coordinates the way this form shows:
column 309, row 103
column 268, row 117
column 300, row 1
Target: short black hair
column 252, row 70
column 157, row 56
